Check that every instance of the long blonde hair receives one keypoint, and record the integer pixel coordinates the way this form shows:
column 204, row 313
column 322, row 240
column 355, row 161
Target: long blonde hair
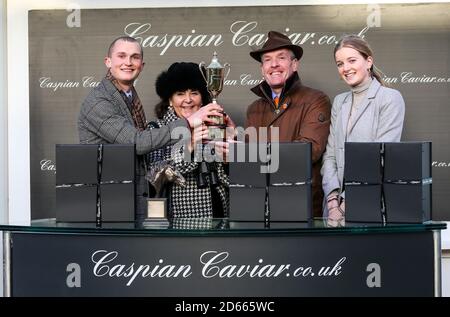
column 359, row 44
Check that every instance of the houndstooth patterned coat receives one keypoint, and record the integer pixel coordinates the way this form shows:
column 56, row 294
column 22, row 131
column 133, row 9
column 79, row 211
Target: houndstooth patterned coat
column 189, row 201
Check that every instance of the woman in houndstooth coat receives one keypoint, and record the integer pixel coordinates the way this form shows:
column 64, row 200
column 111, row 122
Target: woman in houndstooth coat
column 182, row 90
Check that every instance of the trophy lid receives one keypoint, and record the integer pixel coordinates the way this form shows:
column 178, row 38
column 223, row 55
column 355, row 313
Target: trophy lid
column 215, row 62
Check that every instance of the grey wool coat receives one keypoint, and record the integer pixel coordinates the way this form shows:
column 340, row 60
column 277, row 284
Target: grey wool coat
column 379, row 118
column 105, row 118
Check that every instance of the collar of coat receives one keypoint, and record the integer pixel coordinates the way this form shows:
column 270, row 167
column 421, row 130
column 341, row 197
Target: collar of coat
column 371, row 92
column 263, row 90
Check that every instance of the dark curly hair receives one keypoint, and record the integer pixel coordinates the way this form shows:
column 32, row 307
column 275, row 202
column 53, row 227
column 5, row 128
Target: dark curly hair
column 180, row 76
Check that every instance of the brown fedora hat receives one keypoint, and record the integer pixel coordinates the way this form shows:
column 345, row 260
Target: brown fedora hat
column 276, row 41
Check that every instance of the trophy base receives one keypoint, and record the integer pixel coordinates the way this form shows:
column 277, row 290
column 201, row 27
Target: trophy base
column 156, row 208
column 156, row 223
column 156, row 213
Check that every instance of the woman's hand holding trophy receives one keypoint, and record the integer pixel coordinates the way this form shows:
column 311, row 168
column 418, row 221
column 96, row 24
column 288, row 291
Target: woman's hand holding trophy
column 214, row 76
column 221, row 130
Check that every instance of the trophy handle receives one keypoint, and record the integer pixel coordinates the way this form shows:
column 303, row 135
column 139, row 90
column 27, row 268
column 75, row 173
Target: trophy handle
column 228, row 66
column 201, row 66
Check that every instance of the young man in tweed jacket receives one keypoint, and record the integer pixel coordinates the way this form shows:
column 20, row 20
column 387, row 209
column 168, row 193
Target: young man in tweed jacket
column 113, row 113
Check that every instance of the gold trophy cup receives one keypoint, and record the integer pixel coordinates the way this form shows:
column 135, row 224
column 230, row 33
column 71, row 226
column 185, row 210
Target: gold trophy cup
column 214, row 78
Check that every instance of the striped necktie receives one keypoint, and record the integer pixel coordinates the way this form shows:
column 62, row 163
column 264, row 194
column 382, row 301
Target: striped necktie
column 276, row 101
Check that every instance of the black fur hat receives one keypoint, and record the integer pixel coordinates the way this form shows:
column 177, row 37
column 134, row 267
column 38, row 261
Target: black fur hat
column 180, row 77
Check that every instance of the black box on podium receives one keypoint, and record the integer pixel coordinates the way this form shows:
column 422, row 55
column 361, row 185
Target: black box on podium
column 76, row 204
column 117, row 187
column 247, row 203
column 77, row 163
column 290, row 203
column 248, row 164
column 94, row 180
column 290, row 168
column 408, row 182
column 363, row 181
column 248, row 181
column 117, row 202
column 363, row 203
column 76, row 182
column 394, row 178
column 118, row 163
column 363, row 162
column 284, row 189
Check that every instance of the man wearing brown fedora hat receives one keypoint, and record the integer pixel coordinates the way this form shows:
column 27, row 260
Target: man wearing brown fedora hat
column 299, row 112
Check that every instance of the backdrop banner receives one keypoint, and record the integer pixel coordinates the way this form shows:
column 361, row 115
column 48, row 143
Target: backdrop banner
column 411, row 43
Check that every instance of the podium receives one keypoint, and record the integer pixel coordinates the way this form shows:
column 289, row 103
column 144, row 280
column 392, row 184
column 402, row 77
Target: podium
column 222, row 259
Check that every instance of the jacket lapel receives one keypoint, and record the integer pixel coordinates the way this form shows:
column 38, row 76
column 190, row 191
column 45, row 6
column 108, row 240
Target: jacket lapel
column 371, row 93
column 345, row 112
column 286, row 101
column 363, row 106
column 118, row 99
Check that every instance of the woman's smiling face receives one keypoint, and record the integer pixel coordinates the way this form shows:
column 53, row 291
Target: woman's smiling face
column 352, row 66
column 185, row 103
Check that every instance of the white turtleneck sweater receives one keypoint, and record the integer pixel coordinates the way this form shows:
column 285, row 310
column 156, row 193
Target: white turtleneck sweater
column 358, row 94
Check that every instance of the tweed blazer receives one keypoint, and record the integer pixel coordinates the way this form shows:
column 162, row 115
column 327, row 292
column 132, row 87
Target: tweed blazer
column 379, row 118
column 105, row 118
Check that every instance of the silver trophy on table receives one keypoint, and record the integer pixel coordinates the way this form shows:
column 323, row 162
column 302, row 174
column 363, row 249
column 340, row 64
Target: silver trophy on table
column 214, row 78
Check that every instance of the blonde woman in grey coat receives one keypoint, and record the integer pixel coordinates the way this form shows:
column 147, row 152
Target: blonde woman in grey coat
column 369, row 112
